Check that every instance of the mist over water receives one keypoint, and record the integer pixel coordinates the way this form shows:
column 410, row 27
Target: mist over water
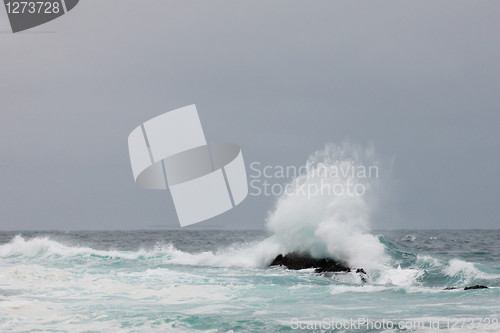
column 329, row 217
column 200, row 280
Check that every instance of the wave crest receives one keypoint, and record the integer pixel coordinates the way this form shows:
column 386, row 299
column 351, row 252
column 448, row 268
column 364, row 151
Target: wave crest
column 333, row 224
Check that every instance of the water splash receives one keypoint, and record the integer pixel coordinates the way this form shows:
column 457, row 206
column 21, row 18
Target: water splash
column 332, row 221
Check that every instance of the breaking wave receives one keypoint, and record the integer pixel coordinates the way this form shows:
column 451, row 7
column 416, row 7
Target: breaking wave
column 423, row 271
column 327, row 225
column 332, row 223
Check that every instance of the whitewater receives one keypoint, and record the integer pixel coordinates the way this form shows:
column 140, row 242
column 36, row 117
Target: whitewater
column 220, row 281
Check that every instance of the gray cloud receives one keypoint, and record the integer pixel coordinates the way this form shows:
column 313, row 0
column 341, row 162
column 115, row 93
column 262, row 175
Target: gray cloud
column 280, row 78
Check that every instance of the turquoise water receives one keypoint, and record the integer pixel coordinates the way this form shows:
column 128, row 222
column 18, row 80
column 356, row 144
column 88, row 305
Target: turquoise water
column 218, row 281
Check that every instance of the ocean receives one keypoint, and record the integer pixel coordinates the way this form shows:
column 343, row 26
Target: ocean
column 219, row 281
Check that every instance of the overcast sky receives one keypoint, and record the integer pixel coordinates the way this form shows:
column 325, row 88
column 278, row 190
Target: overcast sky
column 420, row 80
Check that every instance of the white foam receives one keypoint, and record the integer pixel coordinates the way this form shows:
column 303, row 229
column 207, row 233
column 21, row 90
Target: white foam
column 398, row 276
column 45, row 247
column 242, row 255
column 340, row 289
column 467, row 271
column 330, row 224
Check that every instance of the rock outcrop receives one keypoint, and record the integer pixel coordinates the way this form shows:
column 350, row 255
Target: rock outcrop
column 296, row 261
column 477, row 286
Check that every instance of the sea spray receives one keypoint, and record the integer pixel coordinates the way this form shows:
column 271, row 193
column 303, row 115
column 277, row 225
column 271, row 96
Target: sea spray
column 194, row 280
column 333, row 221
column 43, row 256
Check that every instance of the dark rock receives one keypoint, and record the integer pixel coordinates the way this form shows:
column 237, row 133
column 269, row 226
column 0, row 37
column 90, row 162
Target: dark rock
column 477, row 286
column 327, row 266
column 295, row 260
column 468, row 288
column 360, row 270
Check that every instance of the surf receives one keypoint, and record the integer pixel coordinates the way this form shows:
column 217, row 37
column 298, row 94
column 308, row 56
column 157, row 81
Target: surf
column 325, row 226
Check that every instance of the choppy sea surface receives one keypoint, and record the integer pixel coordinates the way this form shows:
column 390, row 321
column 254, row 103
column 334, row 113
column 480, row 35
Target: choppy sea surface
column 219, row 281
